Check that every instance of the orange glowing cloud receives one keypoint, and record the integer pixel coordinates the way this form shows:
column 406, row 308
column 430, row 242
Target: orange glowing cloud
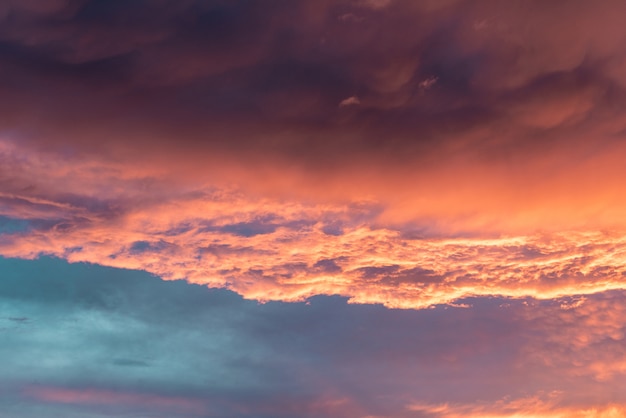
column 546, row 406
column 421, row 167
column 273, row 248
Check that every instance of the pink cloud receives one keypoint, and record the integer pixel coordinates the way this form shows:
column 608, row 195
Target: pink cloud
column 352, row 100
column 107, row 397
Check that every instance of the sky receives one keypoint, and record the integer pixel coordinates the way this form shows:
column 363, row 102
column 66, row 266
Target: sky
column 312, row 208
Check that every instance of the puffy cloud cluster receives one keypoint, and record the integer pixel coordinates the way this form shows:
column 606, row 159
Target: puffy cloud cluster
column 271, row 249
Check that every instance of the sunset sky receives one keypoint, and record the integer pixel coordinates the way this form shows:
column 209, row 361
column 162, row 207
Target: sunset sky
column 312, row 208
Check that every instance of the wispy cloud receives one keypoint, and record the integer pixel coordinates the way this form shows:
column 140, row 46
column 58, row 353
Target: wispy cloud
column 540, row 406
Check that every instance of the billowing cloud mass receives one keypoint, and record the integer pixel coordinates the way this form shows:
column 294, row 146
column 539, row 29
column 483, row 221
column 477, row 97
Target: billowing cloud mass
column 270, row 248
column 424, row 155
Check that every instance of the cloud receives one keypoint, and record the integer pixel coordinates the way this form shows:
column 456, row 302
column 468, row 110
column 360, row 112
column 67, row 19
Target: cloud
column 105, row 397
column 272, row 248
column 234, row 165
column 537, row 406
column 237, row 76
column 460, row 160
column 428, row 82
column 100, row 340
column 352, row 100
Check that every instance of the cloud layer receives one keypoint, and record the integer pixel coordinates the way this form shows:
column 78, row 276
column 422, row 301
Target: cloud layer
column 86, row 340
column 268, row 248
column 462, row 160
column 471, row 116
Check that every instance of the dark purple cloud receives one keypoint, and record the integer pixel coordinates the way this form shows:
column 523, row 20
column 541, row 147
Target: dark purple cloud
column 239, row 76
